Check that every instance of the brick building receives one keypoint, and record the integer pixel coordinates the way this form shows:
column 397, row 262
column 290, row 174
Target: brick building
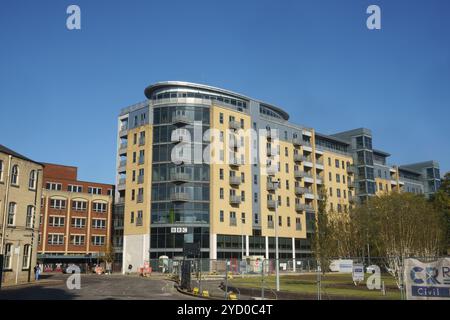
column 75, row 220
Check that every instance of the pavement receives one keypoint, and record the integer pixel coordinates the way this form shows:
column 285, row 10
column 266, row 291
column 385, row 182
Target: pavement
column 97, row 287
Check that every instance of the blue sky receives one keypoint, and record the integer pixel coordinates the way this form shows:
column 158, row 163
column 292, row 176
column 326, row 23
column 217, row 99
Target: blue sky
column 61, row 90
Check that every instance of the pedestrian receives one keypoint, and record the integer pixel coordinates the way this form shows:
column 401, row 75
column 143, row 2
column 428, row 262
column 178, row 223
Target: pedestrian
column 37, row 272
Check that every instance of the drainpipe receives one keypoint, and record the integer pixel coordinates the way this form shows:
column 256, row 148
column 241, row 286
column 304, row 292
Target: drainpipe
column 5, row 208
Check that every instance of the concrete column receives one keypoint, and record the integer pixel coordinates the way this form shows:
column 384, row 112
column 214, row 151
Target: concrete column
column 213, row 246
column 247, row 245
column 293, row 255
column 267, row 246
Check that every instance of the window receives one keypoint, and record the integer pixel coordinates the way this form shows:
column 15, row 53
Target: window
column 15, row 175
column 78, row 223
column 286, row 151
column 221, row 193
column 331, row 192
column 338, row 193
column 221, row 215
column 99, row 224
column 256, row 218
column 255, row 179
column 336, row 162
column 243, row 217
column 77, row 240
column 98, row 240
column 138, row 219
column 53, row 186
column 287, row 168
column 30, row 217
column 232, row 218
column 330, row 176
column 32, row 180
column 338, row 178
column 255, row 197
column 329, row 162
column 298, row 224
column 1, row 170
column 132, row 217
column 381, row 186
column 280, row 221
column 221, row 117
column 55, row 239
column 57, row 204
column 79, row 205
column 287, row 184
column 54, row 221
column 74, row 188
column 242, row 177
column 288, row 221
column 26, row 257
column 94, row 190
column 288, row 202
column 12, row 214
column 221, row 174
column 99, row 206
column 7, row 263
column 242, row 196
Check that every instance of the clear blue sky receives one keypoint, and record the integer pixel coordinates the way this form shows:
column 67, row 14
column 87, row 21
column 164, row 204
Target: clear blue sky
column 61, row 90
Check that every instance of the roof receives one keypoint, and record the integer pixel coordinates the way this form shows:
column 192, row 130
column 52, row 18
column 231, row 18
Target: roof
column 401, row 168
column 385, row 154
column 335, row 139
column 15, row 154
column 152, row 88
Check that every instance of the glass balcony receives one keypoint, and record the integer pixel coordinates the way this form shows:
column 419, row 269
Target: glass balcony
column 299, row 157
column 302, row 190
column 270, row 224
column 141, row 141
column 300, row 142
column 235, row 199
column 233, row 222
column 140, row 198
column 180, row 176
column 351, row 169
column 235, row 180
column 271, row 204
column 181, row 119
column 234, row 125
column 180, row 196
column 271, row 186
column 123, row 148
column 140, row 179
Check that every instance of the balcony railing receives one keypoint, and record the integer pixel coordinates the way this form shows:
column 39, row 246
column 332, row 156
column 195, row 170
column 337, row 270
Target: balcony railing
column 181, row 119
column 138, row 221
column 271, row 186
column 233, row 222
column 140, row 179
column 122, row 166
column 271, row 204
column 351, row 169
column 270, row 224
column 298, row 226
column 141, row 160
column 180, row 196
column 302, row 190
column 301, row 174
column 299, row 157
column 300, row 207
column 300, row 142
column 235, row 199
column 271, row 152
column 122, row 182
column 123, row 131
column 123, row 148
column 234, row 142
column 319, row 162
column 180, row 176
column 351, row 184
column 179, row 138
column 140, row 198
column 271, row 171
column 121, row 200
column 234, row 161
column 141, row 141
column 234, row 125
column 235, row 180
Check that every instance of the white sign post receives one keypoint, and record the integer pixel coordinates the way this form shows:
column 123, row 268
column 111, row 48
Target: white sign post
column 427, row 280
column 358, row 273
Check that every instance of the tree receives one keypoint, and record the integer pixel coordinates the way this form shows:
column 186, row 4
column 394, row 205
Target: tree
column 323, row 240
column 398, row 226
column 441, row 202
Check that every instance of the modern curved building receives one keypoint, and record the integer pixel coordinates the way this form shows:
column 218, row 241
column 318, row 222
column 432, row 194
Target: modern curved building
column 199, row 164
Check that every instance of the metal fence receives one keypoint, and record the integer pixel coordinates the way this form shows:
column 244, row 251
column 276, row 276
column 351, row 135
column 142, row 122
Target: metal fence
column 255, row 278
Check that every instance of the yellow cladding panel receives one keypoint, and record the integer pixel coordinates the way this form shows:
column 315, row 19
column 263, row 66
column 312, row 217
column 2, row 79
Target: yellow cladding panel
column 383, row 186
column 216, row 203
column 134, row 147
column 285, row 191
column 335, row 167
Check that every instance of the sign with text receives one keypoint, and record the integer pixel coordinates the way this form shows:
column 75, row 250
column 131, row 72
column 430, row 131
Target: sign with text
column 358, row 272
column 427, row 280
column 178, row 230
